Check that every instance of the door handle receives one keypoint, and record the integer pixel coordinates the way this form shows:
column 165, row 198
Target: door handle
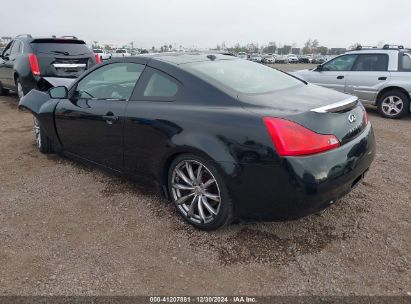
column 382, row 78
column 110, row 118
column 340, row 77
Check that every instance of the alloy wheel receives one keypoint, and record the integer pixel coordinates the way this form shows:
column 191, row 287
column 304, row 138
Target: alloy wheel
column 392, row 105
column 195, row 191
column 37, row 132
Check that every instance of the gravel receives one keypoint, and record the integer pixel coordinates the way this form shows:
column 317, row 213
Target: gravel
column 69, row 229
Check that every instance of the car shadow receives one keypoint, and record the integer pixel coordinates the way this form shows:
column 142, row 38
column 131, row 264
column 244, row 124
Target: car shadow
column 275, row 243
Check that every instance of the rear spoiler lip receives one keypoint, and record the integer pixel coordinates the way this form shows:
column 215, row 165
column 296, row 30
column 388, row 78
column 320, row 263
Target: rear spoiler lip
column 338, row 106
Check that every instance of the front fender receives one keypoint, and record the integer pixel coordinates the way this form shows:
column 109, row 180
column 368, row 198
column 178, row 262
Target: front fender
column 42, row 107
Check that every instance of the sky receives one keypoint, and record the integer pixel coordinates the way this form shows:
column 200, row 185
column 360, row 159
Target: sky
column 206, row 23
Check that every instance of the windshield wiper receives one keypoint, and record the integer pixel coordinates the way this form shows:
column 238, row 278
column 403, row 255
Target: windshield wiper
column 61, row 52
column 85, row 92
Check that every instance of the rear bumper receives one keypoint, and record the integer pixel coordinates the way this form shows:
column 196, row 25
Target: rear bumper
column 299, row 186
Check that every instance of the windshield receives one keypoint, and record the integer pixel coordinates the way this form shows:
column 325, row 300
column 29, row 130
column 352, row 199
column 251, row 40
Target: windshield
column 120, row 51
column 98, row 51
column 242, row 76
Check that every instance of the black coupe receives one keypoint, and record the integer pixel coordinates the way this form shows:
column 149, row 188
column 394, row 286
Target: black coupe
column 223, row 138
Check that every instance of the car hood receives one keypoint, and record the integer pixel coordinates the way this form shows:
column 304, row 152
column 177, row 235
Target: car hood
column 291, row 101
column 300, row 73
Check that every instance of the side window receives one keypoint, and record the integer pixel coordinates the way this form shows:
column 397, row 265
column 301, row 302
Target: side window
column 16, row 48
column 371, row 62
column 342, row 63
column 113, row 81
column 160, row 85
column 405, row 61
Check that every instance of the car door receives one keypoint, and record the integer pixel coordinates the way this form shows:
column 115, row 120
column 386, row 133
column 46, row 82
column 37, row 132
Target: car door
column 6, row 66
column 90, row 123
column 368, row 75
column 332, row 74
column 147, row 130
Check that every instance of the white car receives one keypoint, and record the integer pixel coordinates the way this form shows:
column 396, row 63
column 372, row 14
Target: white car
column 256, row 58
column 292, row 58
column 281, row 59
column 242, row 55
column 381, row 77
column 121, row 53
column 102, row 53
column 269, row 58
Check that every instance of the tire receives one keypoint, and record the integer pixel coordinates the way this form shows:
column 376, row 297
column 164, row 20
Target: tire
column 186, row 191
column 393, row 104
column 43, row 143
column 3, row 91
column 19, row 89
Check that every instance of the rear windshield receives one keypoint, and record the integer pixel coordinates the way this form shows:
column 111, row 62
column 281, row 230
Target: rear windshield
column 97, row 51
column 120, row 51
column 243, row 76
column 64, row 46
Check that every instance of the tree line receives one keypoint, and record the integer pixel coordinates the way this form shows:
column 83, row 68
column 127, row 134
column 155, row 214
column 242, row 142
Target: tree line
column 311, row 46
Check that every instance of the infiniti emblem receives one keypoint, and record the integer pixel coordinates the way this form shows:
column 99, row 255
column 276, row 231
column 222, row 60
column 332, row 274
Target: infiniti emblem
column 352, row 118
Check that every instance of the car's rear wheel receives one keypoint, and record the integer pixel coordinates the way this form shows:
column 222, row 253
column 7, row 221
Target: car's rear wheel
column 199, row 193
column 394, row 104
column 3, row 91
column 43, row 143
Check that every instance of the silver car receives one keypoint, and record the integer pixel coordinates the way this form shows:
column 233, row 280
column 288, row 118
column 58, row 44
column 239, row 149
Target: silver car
column 381, row 77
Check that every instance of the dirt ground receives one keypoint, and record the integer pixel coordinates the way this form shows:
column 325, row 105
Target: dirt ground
column 67, row 229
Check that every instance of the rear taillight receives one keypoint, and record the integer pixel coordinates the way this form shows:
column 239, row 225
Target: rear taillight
column 34, row 64
column 292, row 139
column 98, row 59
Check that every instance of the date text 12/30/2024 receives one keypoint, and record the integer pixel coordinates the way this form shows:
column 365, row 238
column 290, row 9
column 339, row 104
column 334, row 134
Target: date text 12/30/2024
column 203, row 299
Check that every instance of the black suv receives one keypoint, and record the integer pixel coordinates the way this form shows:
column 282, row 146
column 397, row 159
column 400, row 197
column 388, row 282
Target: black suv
column 25, row 60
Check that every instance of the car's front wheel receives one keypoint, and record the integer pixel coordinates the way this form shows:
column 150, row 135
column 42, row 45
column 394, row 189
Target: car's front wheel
column 199, row 193
column 43, row 143
column 393, row 104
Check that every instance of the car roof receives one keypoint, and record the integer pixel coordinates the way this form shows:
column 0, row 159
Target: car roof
column 29, row 39
column 375, row 51
column 184, row 58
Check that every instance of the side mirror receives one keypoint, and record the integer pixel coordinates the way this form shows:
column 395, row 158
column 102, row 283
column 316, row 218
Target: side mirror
column 58, row 92
column 319, row 68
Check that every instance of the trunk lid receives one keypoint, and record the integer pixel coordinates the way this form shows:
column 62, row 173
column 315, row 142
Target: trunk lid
column 321, row 110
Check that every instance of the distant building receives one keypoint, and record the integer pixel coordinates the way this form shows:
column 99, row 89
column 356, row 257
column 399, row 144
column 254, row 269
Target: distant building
column 337, row 51
column 296, row 51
